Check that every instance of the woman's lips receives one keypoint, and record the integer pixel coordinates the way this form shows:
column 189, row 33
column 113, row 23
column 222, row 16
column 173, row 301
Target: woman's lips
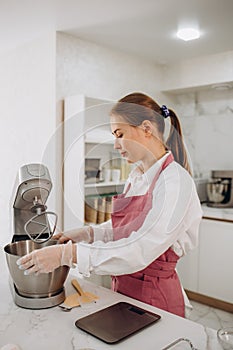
column 123, row 154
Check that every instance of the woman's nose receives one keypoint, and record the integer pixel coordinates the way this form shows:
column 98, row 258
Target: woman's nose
column 117, row 144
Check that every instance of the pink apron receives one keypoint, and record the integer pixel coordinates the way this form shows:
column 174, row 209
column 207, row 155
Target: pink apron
column 158, row 284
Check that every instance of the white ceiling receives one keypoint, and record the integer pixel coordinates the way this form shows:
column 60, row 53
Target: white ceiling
column 145, row 28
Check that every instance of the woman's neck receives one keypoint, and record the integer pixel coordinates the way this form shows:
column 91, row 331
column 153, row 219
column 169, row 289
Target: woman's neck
column 152, row 158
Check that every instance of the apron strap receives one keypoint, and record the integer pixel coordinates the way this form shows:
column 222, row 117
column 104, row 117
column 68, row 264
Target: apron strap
column 167, row 161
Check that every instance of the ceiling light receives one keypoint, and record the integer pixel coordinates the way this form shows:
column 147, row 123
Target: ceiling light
column 187, row 34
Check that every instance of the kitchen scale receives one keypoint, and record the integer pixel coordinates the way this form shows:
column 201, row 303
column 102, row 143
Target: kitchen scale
column 117, row 322
column 33, row 227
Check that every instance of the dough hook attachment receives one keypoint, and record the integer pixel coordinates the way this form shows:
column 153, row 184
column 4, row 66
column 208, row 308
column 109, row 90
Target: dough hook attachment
column 44, row 226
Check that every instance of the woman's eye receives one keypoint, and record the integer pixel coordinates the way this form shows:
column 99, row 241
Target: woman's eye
column 118, row 136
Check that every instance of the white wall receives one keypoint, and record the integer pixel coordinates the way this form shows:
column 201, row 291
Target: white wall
column 27, row 91
column 207, row 120
column 96, row 71
column 196, row 87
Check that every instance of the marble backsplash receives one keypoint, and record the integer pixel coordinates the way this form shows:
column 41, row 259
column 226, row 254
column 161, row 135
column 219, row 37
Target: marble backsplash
column 207, row 123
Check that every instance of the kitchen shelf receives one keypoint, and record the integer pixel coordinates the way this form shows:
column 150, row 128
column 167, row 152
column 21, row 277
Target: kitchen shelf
column 104, row 184
column 225, row 85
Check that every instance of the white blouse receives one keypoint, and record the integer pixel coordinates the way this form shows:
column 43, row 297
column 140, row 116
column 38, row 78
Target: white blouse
column 172, row 222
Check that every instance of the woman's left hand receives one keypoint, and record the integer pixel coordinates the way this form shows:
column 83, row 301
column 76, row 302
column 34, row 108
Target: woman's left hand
column 46, row 259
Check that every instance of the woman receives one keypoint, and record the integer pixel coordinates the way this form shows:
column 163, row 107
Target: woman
column 154, row 222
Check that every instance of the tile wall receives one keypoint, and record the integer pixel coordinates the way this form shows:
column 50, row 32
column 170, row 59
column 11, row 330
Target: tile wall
column 207, row 122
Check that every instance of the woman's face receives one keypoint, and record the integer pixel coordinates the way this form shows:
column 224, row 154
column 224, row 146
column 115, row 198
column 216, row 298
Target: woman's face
column 130, row 140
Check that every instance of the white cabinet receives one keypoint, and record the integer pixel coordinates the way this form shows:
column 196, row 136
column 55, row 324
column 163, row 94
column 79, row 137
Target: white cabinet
column 216, row 260
column 87, row 134
column 188, row 270
column 208, row 269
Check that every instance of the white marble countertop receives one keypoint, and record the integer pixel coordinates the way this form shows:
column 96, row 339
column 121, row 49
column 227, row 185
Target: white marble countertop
column 225, row 214
column 55, row 329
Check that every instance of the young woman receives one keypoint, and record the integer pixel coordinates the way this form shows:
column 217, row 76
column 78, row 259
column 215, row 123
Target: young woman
column 154, row 221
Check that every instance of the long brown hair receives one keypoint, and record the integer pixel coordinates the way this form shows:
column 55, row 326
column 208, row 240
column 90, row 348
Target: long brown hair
column 137, row 107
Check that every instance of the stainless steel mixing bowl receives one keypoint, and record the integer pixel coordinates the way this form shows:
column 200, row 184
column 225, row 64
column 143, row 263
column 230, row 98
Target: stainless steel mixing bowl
column 43, row 285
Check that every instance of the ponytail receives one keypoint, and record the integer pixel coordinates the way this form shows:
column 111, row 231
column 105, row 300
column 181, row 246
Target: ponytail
column 175, row 142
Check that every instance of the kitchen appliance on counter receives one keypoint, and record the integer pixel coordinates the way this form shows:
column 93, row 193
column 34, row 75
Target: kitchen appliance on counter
column 33, row 227
column 220, row 189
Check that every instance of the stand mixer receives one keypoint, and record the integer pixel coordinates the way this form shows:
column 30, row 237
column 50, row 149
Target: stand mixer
column 33, row 227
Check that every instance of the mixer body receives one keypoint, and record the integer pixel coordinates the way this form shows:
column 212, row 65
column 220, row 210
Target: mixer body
column 33, row 185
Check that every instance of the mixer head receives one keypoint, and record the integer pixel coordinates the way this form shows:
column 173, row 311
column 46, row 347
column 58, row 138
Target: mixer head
column 33, row 186
column 31, row 219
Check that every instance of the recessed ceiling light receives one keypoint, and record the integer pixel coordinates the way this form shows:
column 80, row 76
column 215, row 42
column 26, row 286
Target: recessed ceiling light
column 187, row 34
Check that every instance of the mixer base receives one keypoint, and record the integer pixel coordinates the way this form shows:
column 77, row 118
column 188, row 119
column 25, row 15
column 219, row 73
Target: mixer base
column 38, row 303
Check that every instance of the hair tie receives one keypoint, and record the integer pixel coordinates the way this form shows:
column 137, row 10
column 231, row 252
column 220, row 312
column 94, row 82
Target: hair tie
column 165, row 111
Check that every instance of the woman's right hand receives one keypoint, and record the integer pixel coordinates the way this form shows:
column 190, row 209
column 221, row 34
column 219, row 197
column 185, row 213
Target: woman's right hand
column 83, row 234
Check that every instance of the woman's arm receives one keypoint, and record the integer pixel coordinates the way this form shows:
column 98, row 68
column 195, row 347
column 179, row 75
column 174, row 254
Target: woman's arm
column 164, row 224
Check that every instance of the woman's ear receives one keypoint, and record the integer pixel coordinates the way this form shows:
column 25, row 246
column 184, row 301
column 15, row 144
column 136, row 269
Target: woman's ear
column 147, row 127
